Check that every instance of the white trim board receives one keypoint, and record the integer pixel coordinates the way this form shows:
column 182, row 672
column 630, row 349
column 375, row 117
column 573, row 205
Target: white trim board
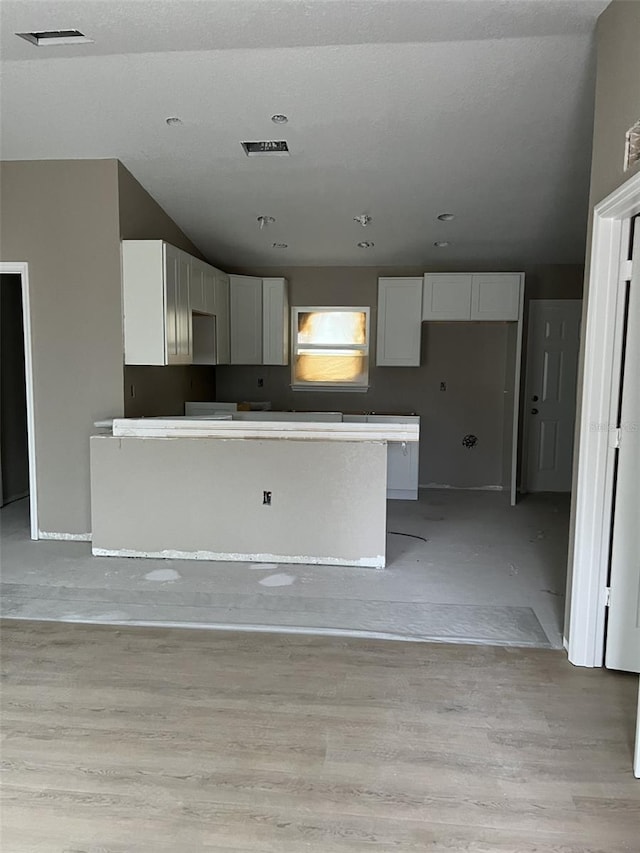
column 602, row 337
column 21, row 268
column 374, row 562
column 65, row 537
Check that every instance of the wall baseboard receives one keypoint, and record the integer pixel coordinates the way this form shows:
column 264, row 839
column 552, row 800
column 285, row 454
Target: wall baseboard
column 65, row 537
column 461, row 488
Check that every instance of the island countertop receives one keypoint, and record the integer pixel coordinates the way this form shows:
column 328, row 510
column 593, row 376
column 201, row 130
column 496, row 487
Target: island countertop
column 185, row 427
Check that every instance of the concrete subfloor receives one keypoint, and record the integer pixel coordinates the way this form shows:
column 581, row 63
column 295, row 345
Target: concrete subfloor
column 487, row 573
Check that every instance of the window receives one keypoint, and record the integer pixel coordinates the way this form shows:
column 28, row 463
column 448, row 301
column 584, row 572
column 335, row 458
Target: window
column 330, row 348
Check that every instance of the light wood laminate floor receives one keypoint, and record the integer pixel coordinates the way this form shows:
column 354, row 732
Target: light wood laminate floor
column 157, row 739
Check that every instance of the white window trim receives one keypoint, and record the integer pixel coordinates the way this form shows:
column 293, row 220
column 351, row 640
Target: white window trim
column 329, row 386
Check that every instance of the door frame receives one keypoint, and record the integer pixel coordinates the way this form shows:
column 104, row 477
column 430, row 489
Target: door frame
column 593, row 474
column 524, row 460
column 21, row 268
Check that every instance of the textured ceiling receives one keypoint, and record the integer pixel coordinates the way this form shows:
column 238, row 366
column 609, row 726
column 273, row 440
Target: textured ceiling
column 403, row 109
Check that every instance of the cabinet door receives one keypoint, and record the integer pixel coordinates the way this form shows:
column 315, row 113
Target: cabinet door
column 221, row 310
column 208, row 290
column 245, row 311
column 399, row 322
column 183, row 312
column 275, row 321
column 447, row 296
column 495, row 296
column 171, row 289
column 197, row 285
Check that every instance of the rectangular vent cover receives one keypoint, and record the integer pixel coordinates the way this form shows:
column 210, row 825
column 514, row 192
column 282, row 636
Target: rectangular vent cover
column 53, row 37
column 632, row 146
column 270, row 147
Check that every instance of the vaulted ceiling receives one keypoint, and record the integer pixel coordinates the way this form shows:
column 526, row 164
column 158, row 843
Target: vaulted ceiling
column 402, row 109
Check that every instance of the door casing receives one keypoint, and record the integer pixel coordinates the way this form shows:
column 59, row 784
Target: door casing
column 22, row 269
column 593, row 470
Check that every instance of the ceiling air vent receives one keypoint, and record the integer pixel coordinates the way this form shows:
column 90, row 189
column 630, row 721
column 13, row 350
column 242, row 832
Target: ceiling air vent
column 267, row 148
column 53, row 37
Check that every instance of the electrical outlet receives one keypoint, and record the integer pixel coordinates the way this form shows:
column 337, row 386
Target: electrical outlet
column 443, row 386
column 266, row 498
column 132, row 390
column 261, row 382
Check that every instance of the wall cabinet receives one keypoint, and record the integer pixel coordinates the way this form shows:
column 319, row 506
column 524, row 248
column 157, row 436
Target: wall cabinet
column 259, row 322
column 399, row 329
column 210, row 317
column 156, row 303
column 472, row 296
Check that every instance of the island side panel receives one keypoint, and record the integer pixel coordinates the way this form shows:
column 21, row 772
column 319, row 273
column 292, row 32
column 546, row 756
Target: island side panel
column 204, row 498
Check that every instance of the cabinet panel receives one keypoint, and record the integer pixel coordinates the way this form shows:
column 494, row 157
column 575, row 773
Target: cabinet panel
column 183, row 312
column 399, row 322
column 245, row 304
column 143, row 273
column 275, row 321
column 196, row 285
column 447, row 296
column 221, row 310
column 171, row 296
column 495, row 296
column 208, row 290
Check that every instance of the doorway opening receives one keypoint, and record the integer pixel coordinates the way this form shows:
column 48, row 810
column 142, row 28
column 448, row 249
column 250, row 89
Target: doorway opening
column 17, row 438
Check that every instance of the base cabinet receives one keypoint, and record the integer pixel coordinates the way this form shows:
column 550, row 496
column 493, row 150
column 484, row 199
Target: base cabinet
column 402, row 457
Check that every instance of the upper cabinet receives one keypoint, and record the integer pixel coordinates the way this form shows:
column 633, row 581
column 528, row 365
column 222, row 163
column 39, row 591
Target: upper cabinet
column 472, row 296
column 258, row 313
column 156, row 303
column 275, row 321
column 210, row 314
column 447, row 296
column 495, row 296
column 399, row 314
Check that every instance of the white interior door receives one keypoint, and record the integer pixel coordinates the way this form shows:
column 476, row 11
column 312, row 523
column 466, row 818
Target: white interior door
column 623, row 626
column 550, row 406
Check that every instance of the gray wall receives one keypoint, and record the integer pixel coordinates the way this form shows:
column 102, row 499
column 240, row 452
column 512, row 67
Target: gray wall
column 62, row 218
column 617, row 107
column 474, row 359
column 206, row 495
column 157, row 390
column 14, row 454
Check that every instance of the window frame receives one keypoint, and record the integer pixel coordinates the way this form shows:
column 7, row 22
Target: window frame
column 365, row 348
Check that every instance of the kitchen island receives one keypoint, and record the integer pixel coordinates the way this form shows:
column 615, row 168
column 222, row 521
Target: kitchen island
column 261, row 491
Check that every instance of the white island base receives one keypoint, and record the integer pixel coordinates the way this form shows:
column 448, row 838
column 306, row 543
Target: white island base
column 275, row 500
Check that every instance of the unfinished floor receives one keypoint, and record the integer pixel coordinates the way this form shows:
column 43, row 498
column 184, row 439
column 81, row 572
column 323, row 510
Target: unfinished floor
column 462, row 567
column 155, row 739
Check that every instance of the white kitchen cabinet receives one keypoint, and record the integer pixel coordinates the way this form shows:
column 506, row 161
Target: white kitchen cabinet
column 259, row 322
column 399, row 322
column 196, row 285
column 275, row 321
column 156, row 303
column 402, row 460
column 495, row 296
column 245, row 314
column 472, row 296
column 210, row 314
column 447, row 296
column 221, row 310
